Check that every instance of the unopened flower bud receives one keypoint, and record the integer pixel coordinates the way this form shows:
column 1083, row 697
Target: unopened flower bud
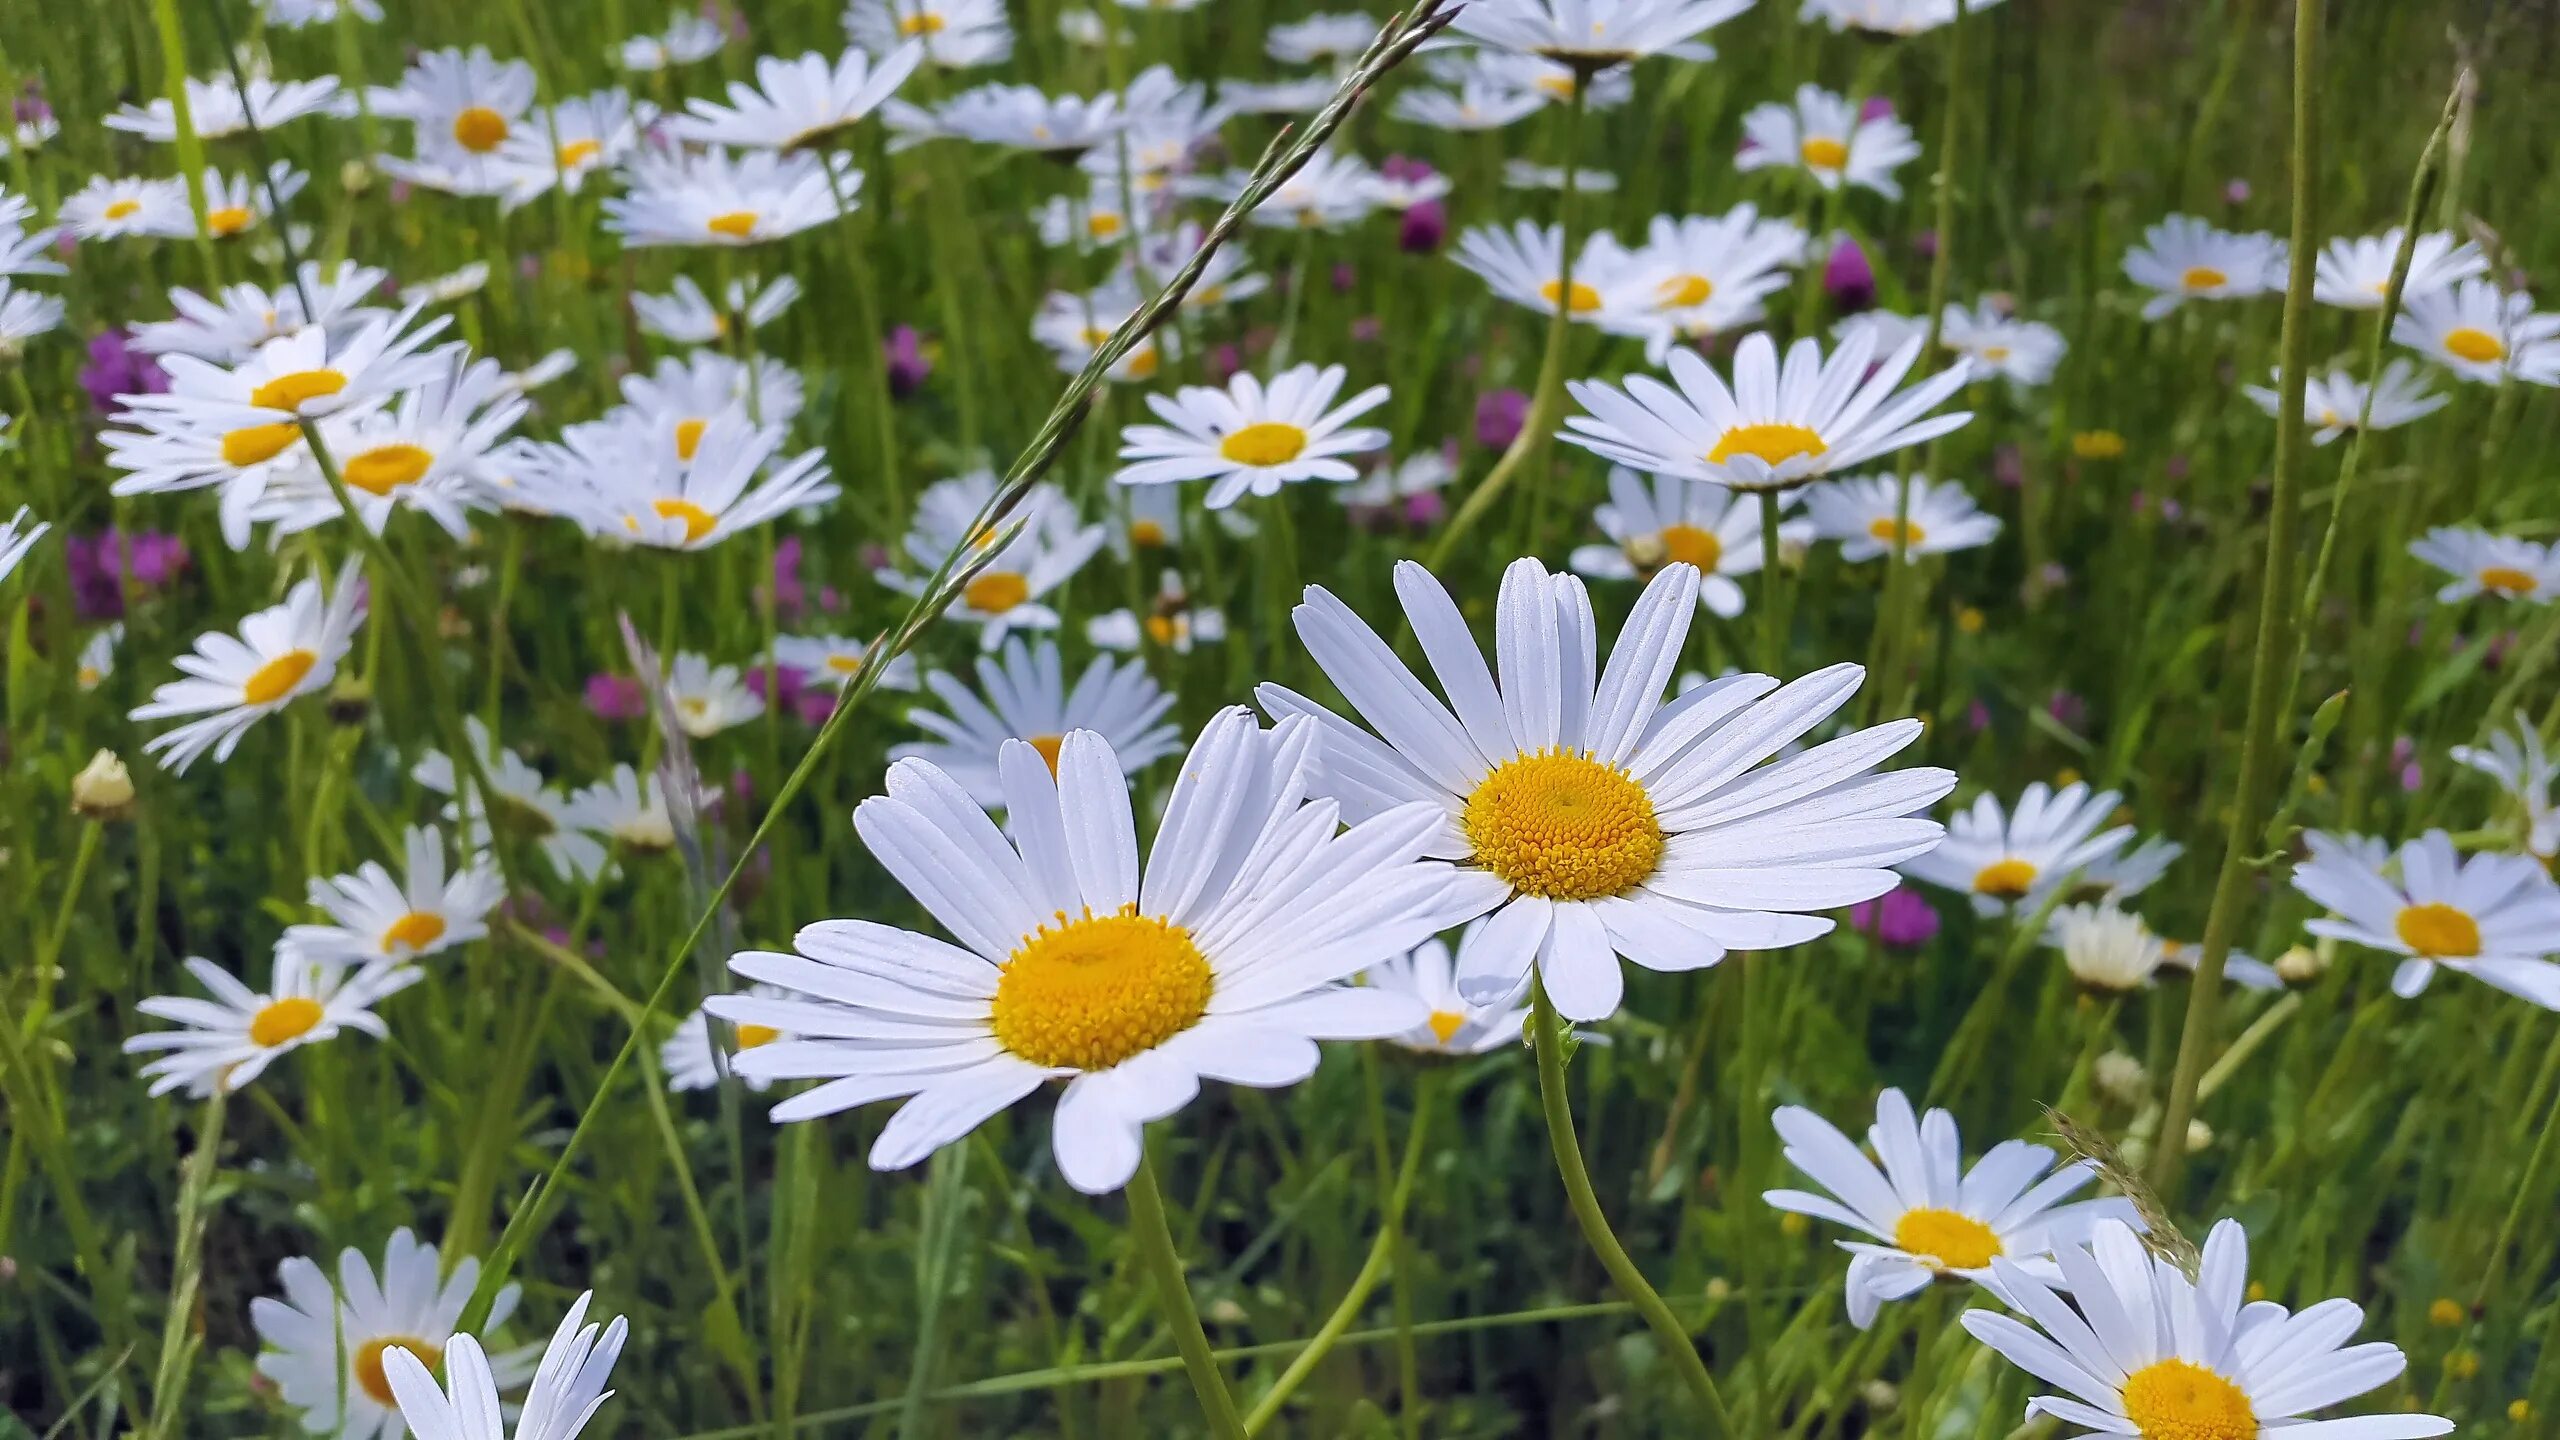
column 2121, row 1079
column 2300, row 964
column 103, row 791
column 2199, row 1137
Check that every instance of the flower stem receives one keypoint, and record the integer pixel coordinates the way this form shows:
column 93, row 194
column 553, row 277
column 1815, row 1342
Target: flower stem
column 1682, row 1351
column 1154, row 1239
column 178, row 1338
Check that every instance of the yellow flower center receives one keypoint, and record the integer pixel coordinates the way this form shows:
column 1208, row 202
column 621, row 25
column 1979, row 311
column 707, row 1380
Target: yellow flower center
column 1564, row 826
column 1264, row 442
column 844, row 664
column 2180, row 1400
column 1955, row 1241
column 282, row 1020
column 1584, row 297
column 736, row 224
column 922, row 23
column 1687, row 544
column 1682, row 291
column 1091, row 992
column 1445, row 1023
column 1163, row 629
column 1146, row 534
column 1776, row 443
column 1996, row 354
column 414, row 931
column 1821, row 152
column 257, row 444
column 1048, row 746
column 2477, row 346
column 227, row 220
column 122, row 208
column 1558, row 85
column 369, row 1363
column 1888, row 529
column 294, row 388
column 698, row 522
column 2508, row 580
column 689, row 437
column 2097, row 445
column 275, row 679
column 89, row 677
column 579, row 152
column 1102, row 227
column 2439, row 931
column 751, row 1036
column 996, row 592
column 386, row 468
column 2203, row 277
column 1142, row 362
column 479, row 129
column 2005, row 879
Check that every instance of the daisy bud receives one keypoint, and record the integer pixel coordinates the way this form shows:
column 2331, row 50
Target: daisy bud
column 103, row 791
column 2199, row 1137
column 2121, row 1079
column 2300, row 965
column 355, row 177
column 1879, row 1395
column 350, row 700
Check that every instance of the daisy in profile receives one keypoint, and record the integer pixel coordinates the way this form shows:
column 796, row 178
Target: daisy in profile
column 2014, row 857
column 568, row 1384
column 797, row 104
column 1592, row 35
column 678, row 399
column 460, row 283
column 2355, row 273
column 1612, row 286
column 113, row 207
column 954, row 34
column 303, row 375
column 216, row 108
column 328, row 1345
column 229, row 326
column 710, row 698
column 562, row 146
column 2333, row 404
column 2506, row 566
column 1656, row 521
column 1451, row 1026
column 97, row 654
column 2183, row 258
column 1927, row 1216
column 1528, row 175
column 1830, row 139
column 1593, row 820
column 1478, row 103
column 692, row 1059
column 2525, row 770
column 527, row 805
column 2142, row 1349
column 620, row 482
column 1331, row 191
column 1091, row 221
column 1016, row 561
column 1218, row 958
column 24, row 315
column 463, row 104
column 1014, row 117
column 711, row 197
column 282, row 652
column 1771, row 429
column 1335, row 40
column 2495, row 918
column 18, row 535
column 1302, row 96
column 1551, row 81
column 234, row 205
column 1249, row 438
column 687, row 39
column 2482, row 333
column 378, row 920
column 1866, row 514
column 1171, row 623
column 228, row 1041
column 837, row 659
column 2106, row 949
column 2022, row 352
column 631, row 810
column 688, row 317
column 1023, row 695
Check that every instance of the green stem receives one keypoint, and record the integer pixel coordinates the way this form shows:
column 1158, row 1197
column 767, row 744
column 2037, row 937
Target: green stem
column 1153, row 1237
column 178, row 1340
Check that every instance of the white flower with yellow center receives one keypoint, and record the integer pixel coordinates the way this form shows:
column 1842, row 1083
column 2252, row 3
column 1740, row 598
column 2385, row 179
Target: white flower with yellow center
column 837, row 659
column 2495, row 918
column 111, row 207
column 2004, row 858
column 24, row 315
column 2022, row 352
column 2524, row 768
column 620, row 480
column 711, row 197
column 1303, row 96
column 2104, row 948
column 228, row 1041
column 2482, row 333
column 464, row 105
column 1015, row 561
column 1451, row 1025
column 1866, row 515
column 564, row 145
column 329, row 1345
column 429, row 452
column 1479, row 103
column 1592, row 819
column 282, row 652
column 1094, row 222
column 304, row 374
column 1172, row 623
column 1331, row 191
column 1593, row 34
column 1828, row 138
column 1611, row 287
column 797, row 104
column 630, row 810
column 2333, row 404
column 1075, row 326
column 1709, row 273
column 955, row 34
column 2143, row 1350
column 694, row 1062
column 1334, row 40
column 1774, row 428
column 710, row 698
column 378, row 920
column 527, row 807
column 568, row 1384
column 2355, row 273
column 18, row 535
column 687, row 39
column 1166, row 121
column 1658, row 521
column 24, row 251
column 2508, row 567
column 1248, row 438
column 1023, row 695
column 1162, row 252
column 1219, row 958
column 229, row 326
column 2183, row 258
column 1888, row 17
column 1533, row 77
column 1929, row 1217
column 684, row 393
column 98, row 655
column 1012, row 117
column 219, row 107
column 234, row 205
column 688, row 317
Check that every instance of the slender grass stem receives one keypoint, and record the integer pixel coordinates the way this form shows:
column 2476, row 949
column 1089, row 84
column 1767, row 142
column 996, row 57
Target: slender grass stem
column 1153, row 1236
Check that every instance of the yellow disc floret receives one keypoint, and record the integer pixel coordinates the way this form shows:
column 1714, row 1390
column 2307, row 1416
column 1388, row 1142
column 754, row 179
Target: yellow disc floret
column 2181, row 1400
column 1089, row 992
column 1953, row 1240
column 284, row 1020
column 2439, row 931
column 1564, row 826
column 1264, row 442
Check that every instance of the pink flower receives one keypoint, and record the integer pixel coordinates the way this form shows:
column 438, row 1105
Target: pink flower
column 616, row 697
column 1901, row 919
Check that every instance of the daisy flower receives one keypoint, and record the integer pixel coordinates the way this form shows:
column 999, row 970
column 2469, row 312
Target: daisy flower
column 97, row 655
column 282, row 652
column 680, row 397
column 1830, row 138
column 304, row 374
column 229, row 326
column 710, row 698
column 1218, row 958
column 688, row 317
column 630, row 809
column 1331, row 191
column 1887, row 330
column 1073, row 327
column 452, row 285
column 1303, row 96
column 376, row 919
column 1774, row 429
column 113, row 207
column 1014, row 117
column 1395, row 486
column 1591, row 819
column 1027, row 698
column 2492, row 917
column 1550, row 81
column 464, row 105
column 1245, row 437
column 18, row 536
column 234, row 205
column 1929, row 1217
column 25, row 252
column 24, row 315
column 1710, row 272
column 1451, row 1025
column 1321, row 40
column 329, row 1344
column 565, row 144
column 954, row 34
column 836, row 659
column 2128, row 872
column 2022, row 352
column 2524, row 769
column 1171, row 623
column 2183, row 258
column 1222, row 281
column 1088, row 222
column 2104, row 948
column 216, row 108
column 528, row 806
column 2144, row 1350
column 1595, row 34
column 2333, row 404
column 30, row 134
column 1525, row 265
column 568, row 1384
column 1888, row 17
column 711, row 197
column 1866, row 515
column 691, row 1059
column 2482, row 333
column 1479, row 103
column 1658, row 521
column 797, row 104
column 1525, row 175
column 429, row 451
column 1045, row 548
column 2014, row 857
column 2480, row 563
column 231, row 1039
column 2355, row 273
column 687, row 38
column 621, row 481
column 1165, row 122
